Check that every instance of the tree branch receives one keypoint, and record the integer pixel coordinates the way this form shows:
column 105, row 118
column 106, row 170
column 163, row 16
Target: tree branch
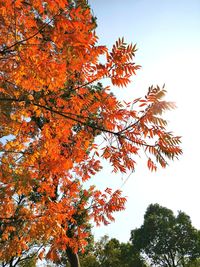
column 118, row 134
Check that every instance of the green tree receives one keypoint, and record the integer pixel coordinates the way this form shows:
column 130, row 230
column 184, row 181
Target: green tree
column 165, row 239
column 89, row 260
column 111, row 253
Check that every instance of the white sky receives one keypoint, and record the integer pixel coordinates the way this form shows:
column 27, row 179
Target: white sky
column 167, row 33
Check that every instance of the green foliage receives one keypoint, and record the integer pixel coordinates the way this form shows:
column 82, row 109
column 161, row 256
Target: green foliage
column 165, row 239
column 111, row 253
column 89, row 260
column 194, row 263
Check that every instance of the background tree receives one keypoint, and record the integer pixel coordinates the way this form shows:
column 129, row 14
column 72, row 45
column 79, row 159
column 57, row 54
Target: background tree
column 115, row 253
column 52, row 108
column 166, row 239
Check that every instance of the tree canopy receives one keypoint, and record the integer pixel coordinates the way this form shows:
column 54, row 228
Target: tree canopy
column 167, row 240
column 53, row 106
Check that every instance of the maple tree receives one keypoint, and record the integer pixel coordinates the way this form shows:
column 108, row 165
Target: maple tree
column 53, row 106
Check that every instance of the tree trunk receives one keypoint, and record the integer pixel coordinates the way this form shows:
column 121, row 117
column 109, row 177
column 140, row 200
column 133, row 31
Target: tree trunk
column 73, row 258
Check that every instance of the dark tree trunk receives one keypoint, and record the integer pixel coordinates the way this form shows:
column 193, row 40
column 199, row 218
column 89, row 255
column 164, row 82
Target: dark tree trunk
column 73, row 258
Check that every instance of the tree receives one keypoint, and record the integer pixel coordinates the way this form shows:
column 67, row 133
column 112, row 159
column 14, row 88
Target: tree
column 116, row 254
column 166, row 239
column 111, row 253
column 53, row 107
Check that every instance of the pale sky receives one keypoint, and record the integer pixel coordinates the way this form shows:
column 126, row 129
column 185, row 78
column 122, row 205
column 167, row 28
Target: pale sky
column 167, row 33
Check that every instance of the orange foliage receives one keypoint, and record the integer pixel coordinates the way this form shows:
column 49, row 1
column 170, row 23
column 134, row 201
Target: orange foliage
column 52, row 107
